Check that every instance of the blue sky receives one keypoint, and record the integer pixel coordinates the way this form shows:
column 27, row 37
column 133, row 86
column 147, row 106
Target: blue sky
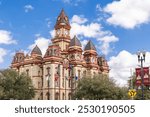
column 118, row 28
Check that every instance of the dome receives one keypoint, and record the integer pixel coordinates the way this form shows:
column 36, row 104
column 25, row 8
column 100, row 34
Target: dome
column 90, row 46
column 36, row 50
column 75, row 42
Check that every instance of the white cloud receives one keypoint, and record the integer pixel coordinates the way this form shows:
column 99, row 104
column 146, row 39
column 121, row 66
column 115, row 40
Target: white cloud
column 95, row 31
column 78, row 19
column 106, row 40
column 6, row 37
column 89, row 30
column 52, row 33
column 3, row 52
column 128, row 13
column 122, row 65
column 42, row 43
column 84, row 42
column 28, row 8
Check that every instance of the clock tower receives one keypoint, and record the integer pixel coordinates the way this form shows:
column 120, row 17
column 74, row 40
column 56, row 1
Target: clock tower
column 62, row 32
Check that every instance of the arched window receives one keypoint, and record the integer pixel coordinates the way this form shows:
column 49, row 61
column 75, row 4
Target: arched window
column 63, row 96
column 48, row 96
column 69, row 96
column 41, row 96
column 69, row 83
column 27, row 72
column 48, row 76
column 57, row 96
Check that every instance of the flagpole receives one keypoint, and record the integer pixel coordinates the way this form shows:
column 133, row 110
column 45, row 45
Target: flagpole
column 48, row 84
column 65, row 86
column 59, row 79
column 72, row 82
column 59, row 86
column 48, row 87
column 54, row 88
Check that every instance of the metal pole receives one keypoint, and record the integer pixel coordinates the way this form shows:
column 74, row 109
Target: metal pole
column 65, row 87
column 71, row 82
column 48, row 85
column 142, row 75
column 59, row 79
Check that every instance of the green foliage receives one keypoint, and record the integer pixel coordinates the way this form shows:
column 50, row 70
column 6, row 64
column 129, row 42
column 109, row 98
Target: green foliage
column 15, row 86
column 98, row 88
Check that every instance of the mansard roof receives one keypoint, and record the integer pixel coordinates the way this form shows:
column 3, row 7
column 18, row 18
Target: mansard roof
column 62, row 20
column 36, row 50
column 90, row 46
column 75, row 42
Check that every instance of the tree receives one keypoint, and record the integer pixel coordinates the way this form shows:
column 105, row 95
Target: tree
column 99, row 87
column 15, row 86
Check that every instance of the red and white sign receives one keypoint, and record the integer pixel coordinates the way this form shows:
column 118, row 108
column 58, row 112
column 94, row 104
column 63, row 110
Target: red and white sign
column 146, row 79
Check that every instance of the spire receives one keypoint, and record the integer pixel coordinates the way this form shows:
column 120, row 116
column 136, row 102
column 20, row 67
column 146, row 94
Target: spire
column 75, row 42
column 90, row 46
column 36, row 50
column 62, row 20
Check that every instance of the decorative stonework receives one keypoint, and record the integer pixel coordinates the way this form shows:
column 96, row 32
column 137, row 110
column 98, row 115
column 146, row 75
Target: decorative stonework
column 55, row 74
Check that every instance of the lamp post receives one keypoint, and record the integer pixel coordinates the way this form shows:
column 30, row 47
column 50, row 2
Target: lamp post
column 141, row 59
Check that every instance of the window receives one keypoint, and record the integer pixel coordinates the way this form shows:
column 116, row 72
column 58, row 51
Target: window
column 48, row 96
column 27, row 72
column 48, row 70
column 69, row 83
column 69, row 96
column 41, row 96
column 79, row 75
column 39, row 85
column 63, row 96
column 48, row 81
column 63, row 82
column 56, row 96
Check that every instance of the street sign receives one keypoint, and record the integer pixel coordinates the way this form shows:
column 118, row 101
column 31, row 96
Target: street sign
column 132, row 93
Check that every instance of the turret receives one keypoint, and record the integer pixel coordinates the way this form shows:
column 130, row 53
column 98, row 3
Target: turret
column 75, row 51
column 62, row 32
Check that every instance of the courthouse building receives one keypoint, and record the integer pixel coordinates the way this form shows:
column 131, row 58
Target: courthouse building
column 55, row 74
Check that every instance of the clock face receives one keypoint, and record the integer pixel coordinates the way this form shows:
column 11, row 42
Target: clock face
column 66, row 32
column 58, row 31
column 93, row 60
column 78, row 57
column 87, row 59
column 66, row 18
